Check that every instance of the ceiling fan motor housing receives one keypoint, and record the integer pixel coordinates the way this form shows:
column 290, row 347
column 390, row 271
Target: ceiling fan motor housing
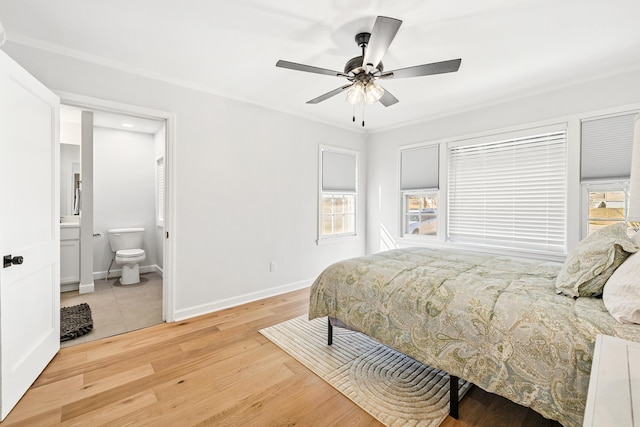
column 352, row 65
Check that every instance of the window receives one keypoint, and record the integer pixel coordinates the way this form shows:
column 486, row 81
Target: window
column 605, row 166
column 419, row 187
column 420, row 213
column 338, row 192
column 606, row 204
column 510, row 190
column 160, row 192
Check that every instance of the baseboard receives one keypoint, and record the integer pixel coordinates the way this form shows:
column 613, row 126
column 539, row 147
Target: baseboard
column 159, row 270
column 239, row 300
column 86, row 288
column 68, row 287
column 118, row 272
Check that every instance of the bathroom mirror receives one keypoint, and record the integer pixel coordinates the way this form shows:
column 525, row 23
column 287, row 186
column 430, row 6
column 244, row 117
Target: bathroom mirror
column 70, row 180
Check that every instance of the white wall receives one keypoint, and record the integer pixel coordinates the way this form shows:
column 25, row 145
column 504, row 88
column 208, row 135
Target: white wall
column 246, row 184
column 383, row 199
column 123, row 190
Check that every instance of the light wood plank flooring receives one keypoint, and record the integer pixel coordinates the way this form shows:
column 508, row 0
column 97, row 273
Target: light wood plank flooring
column 211, row 370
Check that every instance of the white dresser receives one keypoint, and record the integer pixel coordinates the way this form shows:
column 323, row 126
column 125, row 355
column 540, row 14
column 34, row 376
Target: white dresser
column 614, row 386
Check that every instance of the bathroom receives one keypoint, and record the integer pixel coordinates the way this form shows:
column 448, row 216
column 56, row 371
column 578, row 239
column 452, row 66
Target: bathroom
column 114, row 181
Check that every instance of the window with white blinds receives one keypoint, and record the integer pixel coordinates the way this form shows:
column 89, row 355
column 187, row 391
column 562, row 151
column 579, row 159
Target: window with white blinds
column 510, row 192
column 160, row 191
column 606, row 144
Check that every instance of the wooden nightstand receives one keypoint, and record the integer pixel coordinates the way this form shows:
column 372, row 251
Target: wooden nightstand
column 614, row 387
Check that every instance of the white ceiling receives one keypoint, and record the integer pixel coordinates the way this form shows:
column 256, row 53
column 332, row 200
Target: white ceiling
column 509, row 48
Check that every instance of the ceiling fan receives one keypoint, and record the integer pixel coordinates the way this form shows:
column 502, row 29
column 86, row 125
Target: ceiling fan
column 363, row 71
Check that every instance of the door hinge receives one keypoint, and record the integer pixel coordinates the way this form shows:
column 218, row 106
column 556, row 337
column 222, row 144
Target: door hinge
column 167, row 234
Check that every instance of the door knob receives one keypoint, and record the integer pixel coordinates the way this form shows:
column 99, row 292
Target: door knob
column 9, row 261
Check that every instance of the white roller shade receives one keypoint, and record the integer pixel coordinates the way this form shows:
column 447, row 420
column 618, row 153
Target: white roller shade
column 338, row 171
column 510, row 192
column 419, row 168
column 606, row 147
column 634, row 187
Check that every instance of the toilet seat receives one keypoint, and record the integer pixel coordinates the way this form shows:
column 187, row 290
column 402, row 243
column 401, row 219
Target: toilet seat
column 130, row 253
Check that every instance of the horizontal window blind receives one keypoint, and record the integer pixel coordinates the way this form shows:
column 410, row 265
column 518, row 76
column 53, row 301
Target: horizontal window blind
column 606, row 145
column 509, row 193
column 419, row 168
column 338, row 171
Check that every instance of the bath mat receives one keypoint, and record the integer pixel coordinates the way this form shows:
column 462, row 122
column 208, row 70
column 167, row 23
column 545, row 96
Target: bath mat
column 392, row 387
column 75, row 321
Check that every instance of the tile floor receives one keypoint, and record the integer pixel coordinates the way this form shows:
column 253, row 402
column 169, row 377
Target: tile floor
column 117, row 309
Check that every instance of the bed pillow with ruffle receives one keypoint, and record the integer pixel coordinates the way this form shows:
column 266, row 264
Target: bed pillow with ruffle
column 590, row 264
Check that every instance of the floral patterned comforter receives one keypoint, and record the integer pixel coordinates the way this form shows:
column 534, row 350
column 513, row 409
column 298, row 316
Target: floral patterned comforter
column 494, row 321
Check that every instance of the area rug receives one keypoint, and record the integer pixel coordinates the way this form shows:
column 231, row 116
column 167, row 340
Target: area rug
column 75, row 321
column 394, row 388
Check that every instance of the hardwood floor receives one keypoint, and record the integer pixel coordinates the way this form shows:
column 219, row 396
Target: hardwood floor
column 211, row 370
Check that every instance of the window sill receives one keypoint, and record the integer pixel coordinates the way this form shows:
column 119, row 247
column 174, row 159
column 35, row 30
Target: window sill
column 433, row 242
column 341, row 239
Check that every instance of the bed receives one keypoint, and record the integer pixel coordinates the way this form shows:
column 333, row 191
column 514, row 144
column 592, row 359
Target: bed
column 497, row 322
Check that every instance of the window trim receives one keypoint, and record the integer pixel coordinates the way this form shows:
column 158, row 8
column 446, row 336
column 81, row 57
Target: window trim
column 344, row 236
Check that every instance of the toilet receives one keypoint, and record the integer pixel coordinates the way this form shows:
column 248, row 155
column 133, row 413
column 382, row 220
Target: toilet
column 127, row 244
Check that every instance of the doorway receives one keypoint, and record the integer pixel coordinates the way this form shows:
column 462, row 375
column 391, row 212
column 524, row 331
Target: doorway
column 130, row 176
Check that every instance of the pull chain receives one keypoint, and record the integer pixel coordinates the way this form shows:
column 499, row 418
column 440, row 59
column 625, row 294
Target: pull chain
column 363, row 114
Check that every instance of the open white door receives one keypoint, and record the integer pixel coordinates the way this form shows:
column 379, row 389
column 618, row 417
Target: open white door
column 29, row 231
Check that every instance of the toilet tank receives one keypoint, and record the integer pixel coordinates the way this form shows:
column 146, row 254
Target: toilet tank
column 125, row 238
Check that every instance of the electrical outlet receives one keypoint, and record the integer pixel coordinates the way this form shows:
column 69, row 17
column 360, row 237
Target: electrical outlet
column 273, row 266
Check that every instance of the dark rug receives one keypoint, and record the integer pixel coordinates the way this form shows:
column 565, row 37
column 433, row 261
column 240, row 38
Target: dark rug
column 75, row 321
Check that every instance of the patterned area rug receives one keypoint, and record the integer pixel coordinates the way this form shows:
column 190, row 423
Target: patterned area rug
column 75, row 321
column 392, row 387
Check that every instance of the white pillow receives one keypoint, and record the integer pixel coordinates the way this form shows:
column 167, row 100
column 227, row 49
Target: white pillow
column 636, row 238
column 621, row 293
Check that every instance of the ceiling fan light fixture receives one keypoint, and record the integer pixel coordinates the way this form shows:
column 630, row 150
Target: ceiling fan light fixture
column 356, row 94
column 373, row 93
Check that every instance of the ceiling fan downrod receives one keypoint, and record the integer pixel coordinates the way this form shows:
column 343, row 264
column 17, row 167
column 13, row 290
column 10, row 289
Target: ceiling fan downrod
column 362, row 39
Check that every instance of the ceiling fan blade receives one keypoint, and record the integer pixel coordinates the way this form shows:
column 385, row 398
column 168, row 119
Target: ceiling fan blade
column 450, row 66
column 329, row 94
column 309, row 68
column 387, row 99
column 382, row 34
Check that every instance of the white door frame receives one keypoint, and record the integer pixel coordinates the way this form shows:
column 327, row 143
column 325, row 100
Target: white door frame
column 98, row 104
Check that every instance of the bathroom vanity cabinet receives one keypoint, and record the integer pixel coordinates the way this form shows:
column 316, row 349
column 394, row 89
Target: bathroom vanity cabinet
column 69, row 253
